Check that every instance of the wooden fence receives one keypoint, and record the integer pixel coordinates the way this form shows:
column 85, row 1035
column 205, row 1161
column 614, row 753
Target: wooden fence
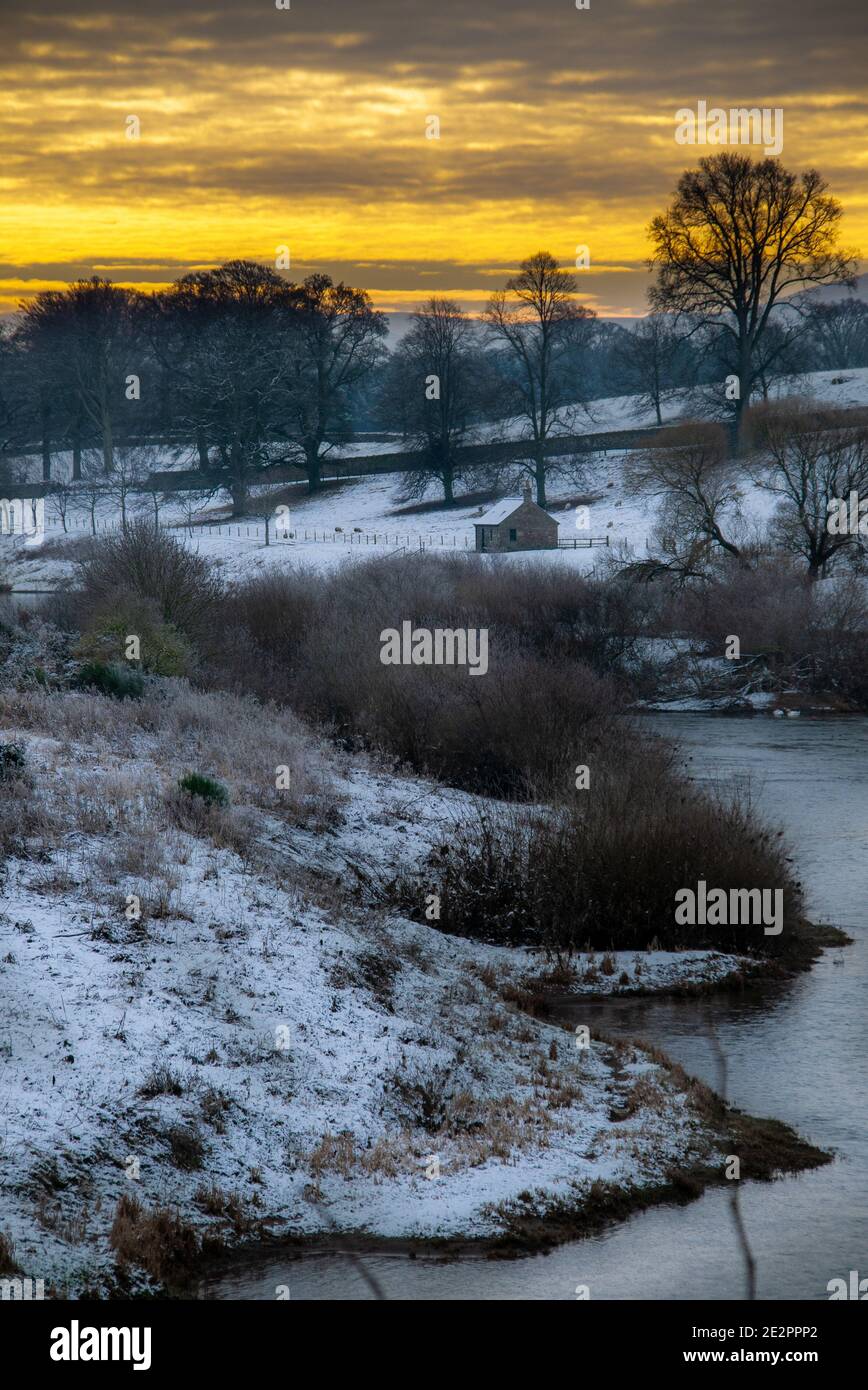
column 277, row 535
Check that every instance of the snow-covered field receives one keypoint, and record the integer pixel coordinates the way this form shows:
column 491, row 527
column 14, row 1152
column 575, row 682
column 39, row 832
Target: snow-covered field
column 372, row 520
column 264, row 1039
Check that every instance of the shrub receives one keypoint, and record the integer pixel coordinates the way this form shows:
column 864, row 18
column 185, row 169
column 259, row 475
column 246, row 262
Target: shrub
column 147, row 562
column 7, row 1255
column 379, row 973
column 186, row 1147
column 605, row 871
column 159, row 1241
column 164, row 651
column 422, row 1099
column 214, row 1105
column 119, row 682
column 30, row 826
column 213, row 1201
column 335, row 1153
column 32, row 652
column 814, row 635
column 161, row 1081
column 212, row 792
column 769, row 606
column 13, row 761
column 315, row 643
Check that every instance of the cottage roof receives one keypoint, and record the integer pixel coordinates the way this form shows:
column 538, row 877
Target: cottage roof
column 503, row 509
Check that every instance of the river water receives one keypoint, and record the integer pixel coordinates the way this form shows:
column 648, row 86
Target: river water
column 797, row 1051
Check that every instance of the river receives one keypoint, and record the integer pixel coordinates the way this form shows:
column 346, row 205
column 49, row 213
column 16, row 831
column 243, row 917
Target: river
column 797, row 1051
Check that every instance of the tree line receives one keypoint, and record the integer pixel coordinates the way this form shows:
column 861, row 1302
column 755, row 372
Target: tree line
column 237, row 369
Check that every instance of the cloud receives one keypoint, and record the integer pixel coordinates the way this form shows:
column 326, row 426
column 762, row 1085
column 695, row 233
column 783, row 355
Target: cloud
column 307, row 126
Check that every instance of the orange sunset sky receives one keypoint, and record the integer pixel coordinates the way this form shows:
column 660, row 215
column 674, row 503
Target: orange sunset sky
column 306, row 127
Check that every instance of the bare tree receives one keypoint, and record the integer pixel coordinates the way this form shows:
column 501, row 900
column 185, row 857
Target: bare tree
column 41, row 339
column 83, row 335
column 813, row 460
column 535, row 320
column 334, row 341
column 125, row 484
column 91, row 487
column 438, row 386
column 151, row 487
column 224, row 334
column 837, row 332
column 697, row 483
column 62, row 495
column 739, row 235
column 15, row 386
column 263, row 507
column 654, row 359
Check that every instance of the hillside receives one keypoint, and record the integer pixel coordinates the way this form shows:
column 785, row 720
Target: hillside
column 367, row 511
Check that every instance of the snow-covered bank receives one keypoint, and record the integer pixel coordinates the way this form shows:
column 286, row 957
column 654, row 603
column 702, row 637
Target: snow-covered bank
column 209, row 1013
column 679, row 676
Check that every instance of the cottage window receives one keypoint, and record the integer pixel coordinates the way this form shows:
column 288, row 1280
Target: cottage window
column 513, row 534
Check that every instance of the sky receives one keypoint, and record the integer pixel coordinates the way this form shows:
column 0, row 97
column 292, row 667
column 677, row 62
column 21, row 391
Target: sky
column 305, row 128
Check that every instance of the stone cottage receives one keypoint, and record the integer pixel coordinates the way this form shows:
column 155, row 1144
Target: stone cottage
column 516, row 524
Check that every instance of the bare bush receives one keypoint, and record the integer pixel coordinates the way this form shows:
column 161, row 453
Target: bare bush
column 146, row 561
column 813, row 635
column 158, row 1241
column 521, row 724
column 605, row 872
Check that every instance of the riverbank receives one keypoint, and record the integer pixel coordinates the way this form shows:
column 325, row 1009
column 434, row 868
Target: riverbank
column 679, row 675
column 536, row 1222
column 214, row 1035
column 793, row 1050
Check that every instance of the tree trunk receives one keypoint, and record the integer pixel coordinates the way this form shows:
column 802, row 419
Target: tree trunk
column 540, row 480
column 202, row 449
column 76, row 455
column 448, row 479
column 238, row 491
column 46, row 444
column 744, row 384
column 735, row 432
column 108, row 455
column 314, row 478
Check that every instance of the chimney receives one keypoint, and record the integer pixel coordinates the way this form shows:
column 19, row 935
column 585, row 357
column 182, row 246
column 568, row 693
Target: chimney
column 525, row 491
